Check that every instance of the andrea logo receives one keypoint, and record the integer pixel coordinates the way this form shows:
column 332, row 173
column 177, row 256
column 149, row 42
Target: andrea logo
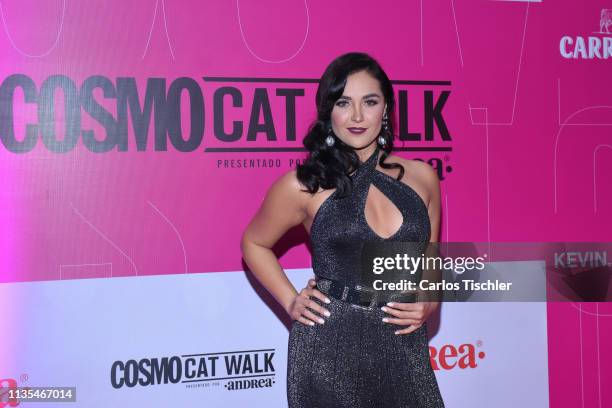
column 451, row 357
column 592, row 47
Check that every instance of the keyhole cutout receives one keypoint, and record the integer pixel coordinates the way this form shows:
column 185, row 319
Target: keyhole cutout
column 381, row 214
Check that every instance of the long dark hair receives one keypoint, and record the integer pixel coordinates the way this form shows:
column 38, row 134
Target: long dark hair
column 327, row 167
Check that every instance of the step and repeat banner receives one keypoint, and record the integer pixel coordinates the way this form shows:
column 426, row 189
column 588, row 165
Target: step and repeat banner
column 207, row 339
column 138, row 138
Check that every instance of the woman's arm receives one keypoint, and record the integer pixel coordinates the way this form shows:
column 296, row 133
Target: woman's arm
column 284, row 206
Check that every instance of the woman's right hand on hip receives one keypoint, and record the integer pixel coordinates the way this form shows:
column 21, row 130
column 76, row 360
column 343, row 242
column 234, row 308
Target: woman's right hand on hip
column 303, row 307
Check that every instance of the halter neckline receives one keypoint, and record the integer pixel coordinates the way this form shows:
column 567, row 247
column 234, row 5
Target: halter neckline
column 372, row 157
column 369, row 163
column 366, row 166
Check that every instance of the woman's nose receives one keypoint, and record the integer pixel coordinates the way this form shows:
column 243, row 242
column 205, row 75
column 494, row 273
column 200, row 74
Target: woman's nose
column 357, row 117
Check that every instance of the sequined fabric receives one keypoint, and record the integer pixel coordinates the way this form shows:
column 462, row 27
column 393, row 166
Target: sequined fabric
column 354, row 359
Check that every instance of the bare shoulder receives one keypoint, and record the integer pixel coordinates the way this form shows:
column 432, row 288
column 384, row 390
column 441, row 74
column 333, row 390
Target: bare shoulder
column 284, row 202
column 288, row 185
column 419, row 175
column 421, row 170
column 426, row 172
column 282, row 208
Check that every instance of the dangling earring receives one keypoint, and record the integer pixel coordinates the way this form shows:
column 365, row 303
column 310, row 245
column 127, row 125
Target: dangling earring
column 385, row 122
column 329, row 140
column 382, row 141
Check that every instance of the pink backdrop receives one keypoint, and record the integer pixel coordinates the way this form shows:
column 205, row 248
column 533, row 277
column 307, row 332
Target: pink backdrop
column 529, row 155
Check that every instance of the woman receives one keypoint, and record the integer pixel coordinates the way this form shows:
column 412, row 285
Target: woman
column 345, row 350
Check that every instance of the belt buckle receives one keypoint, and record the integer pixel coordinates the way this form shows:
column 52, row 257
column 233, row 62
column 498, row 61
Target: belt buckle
column 335, row 291
column 403, row 297
column 358, row 297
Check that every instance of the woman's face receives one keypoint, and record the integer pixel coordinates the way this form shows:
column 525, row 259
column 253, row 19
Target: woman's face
column 357, row 115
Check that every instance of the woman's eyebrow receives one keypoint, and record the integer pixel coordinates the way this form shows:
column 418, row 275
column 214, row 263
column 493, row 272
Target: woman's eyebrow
column 364, row 97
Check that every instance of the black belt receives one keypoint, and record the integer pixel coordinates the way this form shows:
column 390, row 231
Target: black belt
column 362, row 296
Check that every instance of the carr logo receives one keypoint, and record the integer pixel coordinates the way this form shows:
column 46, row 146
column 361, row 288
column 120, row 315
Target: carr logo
column 591, row 47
